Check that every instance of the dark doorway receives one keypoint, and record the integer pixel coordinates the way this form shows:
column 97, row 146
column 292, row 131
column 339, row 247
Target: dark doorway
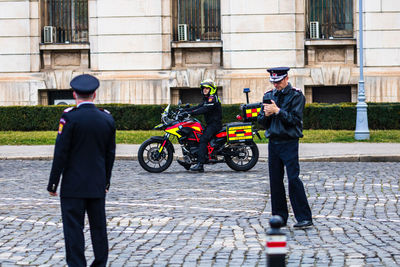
column 193, row 95
column 60, row 97
column 190, row 95
column 331, row 94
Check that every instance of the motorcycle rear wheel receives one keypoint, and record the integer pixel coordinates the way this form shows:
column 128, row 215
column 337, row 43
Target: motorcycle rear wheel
column 151, row 159
column 247, row 158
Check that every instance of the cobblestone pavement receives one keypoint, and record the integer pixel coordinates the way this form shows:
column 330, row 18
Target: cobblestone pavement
column 218, row 218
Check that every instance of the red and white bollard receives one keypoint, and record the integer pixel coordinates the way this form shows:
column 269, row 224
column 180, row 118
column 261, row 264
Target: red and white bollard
column 276, row 243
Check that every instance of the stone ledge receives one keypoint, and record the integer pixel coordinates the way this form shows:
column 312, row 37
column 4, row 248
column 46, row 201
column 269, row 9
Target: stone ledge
column 197, row 44
column 83, row 46
column 330, row 42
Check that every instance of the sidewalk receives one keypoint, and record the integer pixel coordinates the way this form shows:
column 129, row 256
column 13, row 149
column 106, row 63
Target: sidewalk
column 341, row 152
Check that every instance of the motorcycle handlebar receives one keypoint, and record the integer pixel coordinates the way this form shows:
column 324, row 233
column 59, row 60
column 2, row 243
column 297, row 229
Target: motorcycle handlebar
column 174, row 115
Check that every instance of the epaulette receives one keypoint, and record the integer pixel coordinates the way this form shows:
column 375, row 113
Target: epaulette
column 297, row 89
column 105, row 110
column 69, row 109
column 270, row 90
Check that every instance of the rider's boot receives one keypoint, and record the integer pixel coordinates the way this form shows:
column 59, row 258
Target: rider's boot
column 184, row 164
column 198, row 167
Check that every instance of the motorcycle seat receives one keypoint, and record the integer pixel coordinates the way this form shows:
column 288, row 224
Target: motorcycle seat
column 223, row 129
column 221, row 132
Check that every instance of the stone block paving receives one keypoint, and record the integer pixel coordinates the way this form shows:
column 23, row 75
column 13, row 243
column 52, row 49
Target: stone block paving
column 217, row 218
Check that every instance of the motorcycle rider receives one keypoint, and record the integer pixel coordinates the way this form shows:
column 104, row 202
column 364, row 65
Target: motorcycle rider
column 212, row 110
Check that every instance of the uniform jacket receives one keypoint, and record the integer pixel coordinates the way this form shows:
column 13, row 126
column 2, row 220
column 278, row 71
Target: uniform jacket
column 211, row 108
column 288, row 123
column 84, row 152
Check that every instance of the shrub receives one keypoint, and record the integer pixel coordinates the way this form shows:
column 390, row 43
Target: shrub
column 144, row 117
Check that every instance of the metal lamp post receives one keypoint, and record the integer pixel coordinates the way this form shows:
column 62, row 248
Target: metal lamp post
column 362, row 131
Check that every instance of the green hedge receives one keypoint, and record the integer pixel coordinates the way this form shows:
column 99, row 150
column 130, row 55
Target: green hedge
column 325, row 116
column 145, row 117
column 381, row 116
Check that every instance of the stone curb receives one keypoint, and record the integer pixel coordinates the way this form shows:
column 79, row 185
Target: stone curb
column 350, row 158
column 354, row 158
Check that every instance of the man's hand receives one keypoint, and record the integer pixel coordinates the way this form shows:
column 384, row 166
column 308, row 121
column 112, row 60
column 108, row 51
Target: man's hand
column 53, row 194
column 270, row 109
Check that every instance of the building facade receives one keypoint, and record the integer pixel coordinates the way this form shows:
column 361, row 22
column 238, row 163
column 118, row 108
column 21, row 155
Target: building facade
column 158, row 51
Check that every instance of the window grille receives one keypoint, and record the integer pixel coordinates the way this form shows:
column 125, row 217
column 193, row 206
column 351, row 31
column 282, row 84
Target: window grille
column 70, row 19
column 202, row 17
column 335, row 18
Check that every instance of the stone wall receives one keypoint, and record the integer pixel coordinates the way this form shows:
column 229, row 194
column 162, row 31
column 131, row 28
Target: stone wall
column 132, row 52
column 19, row 36
column 259, row 34
column 134, row 36
column 382, row 33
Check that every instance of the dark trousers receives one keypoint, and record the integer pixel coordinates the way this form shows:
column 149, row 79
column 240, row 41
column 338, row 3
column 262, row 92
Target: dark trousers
column 287, row 155
column 73, row 216
column 207, row 135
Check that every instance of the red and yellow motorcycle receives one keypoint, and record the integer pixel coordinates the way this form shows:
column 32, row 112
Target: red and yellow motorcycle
column 233, row 144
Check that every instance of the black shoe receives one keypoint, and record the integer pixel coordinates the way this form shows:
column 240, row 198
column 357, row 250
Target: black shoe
column 303, row 224
column 184, row 164
column 198, row 167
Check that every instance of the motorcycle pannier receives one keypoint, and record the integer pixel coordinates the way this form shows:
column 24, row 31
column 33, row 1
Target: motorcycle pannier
column 250, row 111
column 239, row 132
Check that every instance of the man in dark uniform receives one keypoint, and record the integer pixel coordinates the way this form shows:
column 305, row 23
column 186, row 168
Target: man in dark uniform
column 84, row 154
column 282, row 117
column 212, row 110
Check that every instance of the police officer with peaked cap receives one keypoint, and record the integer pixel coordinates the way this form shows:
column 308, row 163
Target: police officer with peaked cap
column 282, row 117
column 84, row 155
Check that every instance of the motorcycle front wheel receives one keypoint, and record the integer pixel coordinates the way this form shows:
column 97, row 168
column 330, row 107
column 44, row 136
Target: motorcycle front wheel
column 151, row 159
column 245, row 156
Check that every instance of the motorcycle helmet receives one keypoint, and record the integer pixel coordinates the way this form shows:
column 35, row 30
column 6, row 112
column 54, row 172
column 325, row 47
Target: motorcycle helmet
column 208, row 84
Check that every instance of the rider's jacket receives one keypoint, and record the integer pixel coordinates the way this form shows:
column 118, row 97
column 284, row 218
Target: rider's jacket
column 287, row 125
column 211, row 108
